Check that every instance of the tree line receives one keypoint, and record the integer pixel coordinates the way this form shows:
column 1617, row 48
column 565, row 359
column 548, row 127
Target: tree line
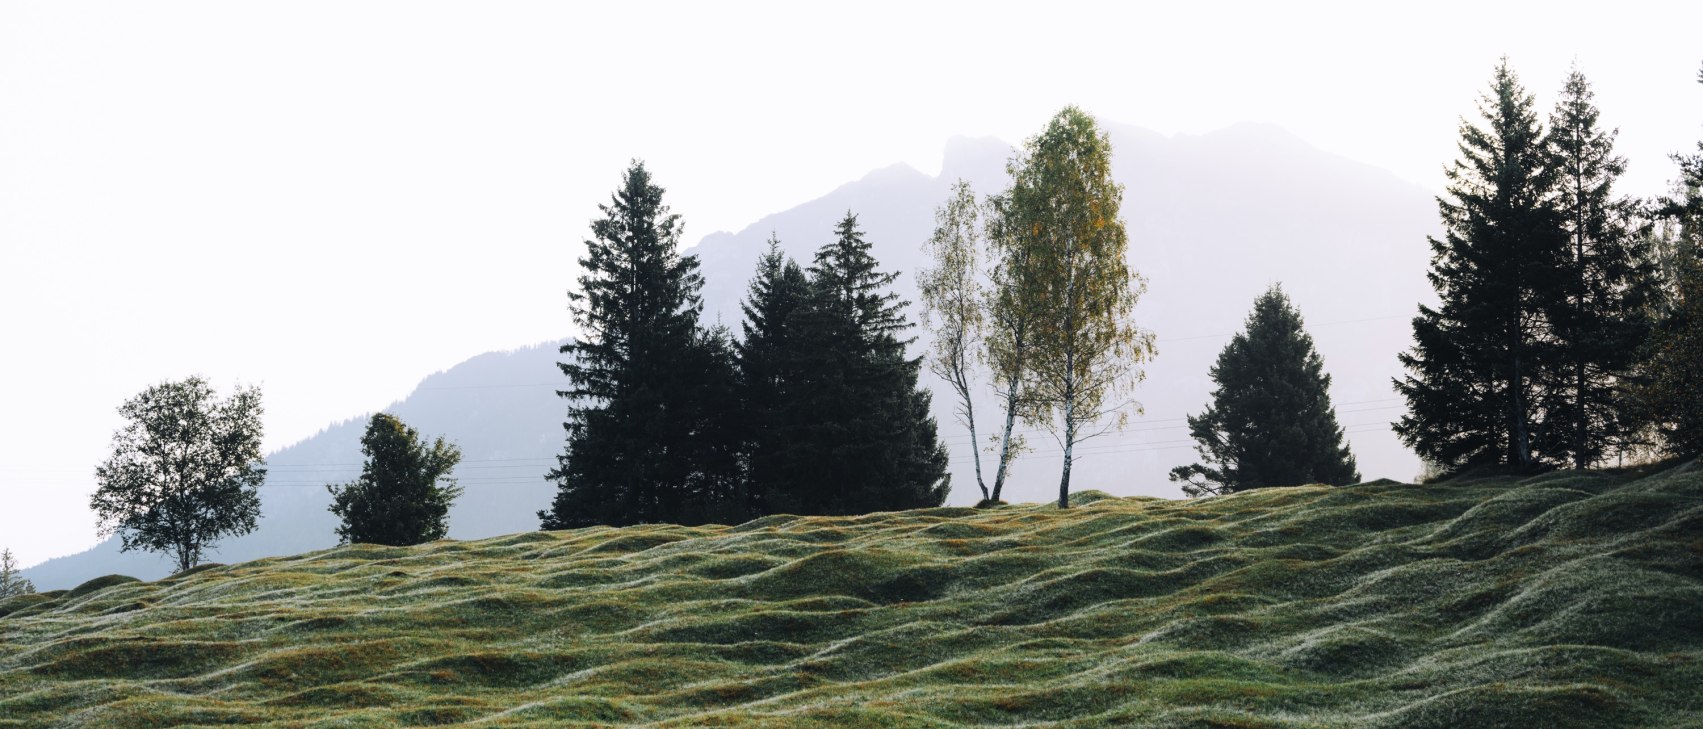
column 1569, row 331
column 815, row 410
column 1566, row 333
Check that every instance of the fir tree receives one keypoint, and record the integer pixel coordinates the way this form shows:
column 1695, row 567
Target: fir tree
column 1667, row 394
column 1270, row 422
column 1478, row 357
column 11, row 583
column 769, row 356
column 1601, row 316
column 645, row 442
column 862, row 436
column 398, row 499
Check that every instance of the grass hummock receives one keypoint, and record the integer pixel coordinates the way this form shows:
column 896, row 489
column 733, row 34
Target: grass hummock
column 1562, row 600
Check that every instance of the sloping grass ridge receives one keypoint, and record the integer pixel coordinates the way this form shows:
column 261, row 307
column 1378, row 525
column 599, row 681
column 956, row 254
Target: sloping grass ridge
column 1565, row 600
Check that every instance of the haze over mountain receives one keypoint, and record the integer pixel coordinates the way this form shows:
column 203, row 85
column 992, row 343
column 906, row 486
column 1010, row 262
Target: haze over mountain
column 1213, row 219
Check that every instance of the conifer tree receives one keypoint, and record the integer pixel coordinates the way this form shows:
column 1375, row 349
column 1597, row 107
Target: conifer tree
column 1667, row 393
column 647, row 441
column 862, row 436
column 404, row 492
column 1600, row 316
column 1478, row 358
column 11, row 583
column 1270, row 422
column 769, row 357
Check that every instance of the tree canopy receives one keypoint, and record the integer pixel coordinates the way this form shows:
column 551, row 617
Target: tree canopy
column 1477, row 358
column 1270, row 422
column 860, row 436
column 1073, row 282
column 404, row 492
column 185, row 470
column 647, row 436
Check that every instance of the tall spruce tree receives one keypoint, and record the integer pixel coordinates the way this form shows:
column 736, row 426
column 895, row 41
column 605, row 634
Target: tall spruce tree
column 648, row 440
column 1479, row 357
column 1667, row 392
column 1270, row 422
column 1601, row 314
column 769, row 358
column 861, row 433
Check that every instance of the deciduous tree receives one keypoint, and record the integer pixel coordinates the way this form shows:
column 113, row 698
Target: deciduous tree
column 185, row 470
column 953, row 299
column 1063, row 210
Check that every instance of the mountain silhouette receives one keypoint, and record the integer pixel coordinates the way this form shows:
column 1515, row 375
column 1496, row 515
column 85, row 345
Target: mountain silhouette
column 1213, row 220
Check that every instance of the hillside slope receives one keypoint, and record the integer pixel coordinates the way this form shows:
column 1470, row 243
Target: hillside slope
column 1252, row 194
column 1564, row 600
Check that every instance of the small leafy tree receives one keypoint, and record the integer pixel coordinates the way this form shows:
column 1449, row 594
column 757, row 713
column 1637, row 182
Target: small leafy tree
column 953, row 299
column 404, row 492
column 1270, row 422
column 1008, row 345
column 185, row 470
column 1668, row 395
column 10, row 583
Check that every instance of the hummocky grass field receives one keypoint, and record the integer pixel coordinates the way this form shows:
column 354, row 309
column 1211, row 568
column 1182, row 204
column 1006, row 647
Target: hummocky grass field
column 1565, row 600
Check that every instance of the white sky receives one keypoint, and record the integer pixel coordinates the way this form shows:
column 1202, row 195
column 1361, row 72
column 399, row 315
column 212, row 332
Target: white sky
column 334, row 199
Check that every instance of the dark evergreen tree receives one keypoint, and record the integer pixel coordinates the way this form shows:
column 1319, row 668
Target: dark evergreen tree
column 1270, row 422
column 1668, row 393
column 1478, row 358
column 404, row 492
column 1602, row 313
column 11, row 584
column 647, row 441
column 861, row 435
column 769, row 358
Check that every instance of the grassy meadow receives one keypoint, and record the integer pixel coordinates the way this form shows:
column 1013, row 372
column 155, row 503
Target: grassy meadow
column 1562, row 600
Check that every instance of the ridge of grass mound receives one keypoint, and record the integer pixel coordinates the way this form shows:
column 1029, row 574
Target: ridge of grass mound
column 1563, row 600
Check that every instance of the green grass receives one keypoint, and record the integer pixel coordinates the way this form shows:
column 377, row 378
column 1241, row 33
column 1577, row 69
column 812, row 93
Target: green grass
column 1564, row 600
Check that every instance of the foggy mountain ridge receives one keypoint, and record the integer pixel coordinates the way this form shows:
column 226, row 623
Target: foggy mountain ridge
column 1213, row 220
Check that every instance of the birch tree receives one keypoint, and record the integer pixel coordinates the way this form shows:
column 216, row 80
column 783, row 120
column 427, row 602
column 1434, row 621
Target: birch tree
column 1087, row 351
column 953, row 299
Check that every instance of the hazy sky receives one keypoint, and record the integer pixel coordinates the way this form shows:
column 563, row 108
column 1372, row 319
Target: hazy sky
column 334, row 199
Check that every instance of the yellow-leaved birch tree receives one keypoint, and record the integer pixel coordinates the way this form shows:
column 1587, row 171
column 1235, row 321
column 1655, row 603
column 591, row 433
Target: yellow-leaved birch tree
column 1063, row 213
